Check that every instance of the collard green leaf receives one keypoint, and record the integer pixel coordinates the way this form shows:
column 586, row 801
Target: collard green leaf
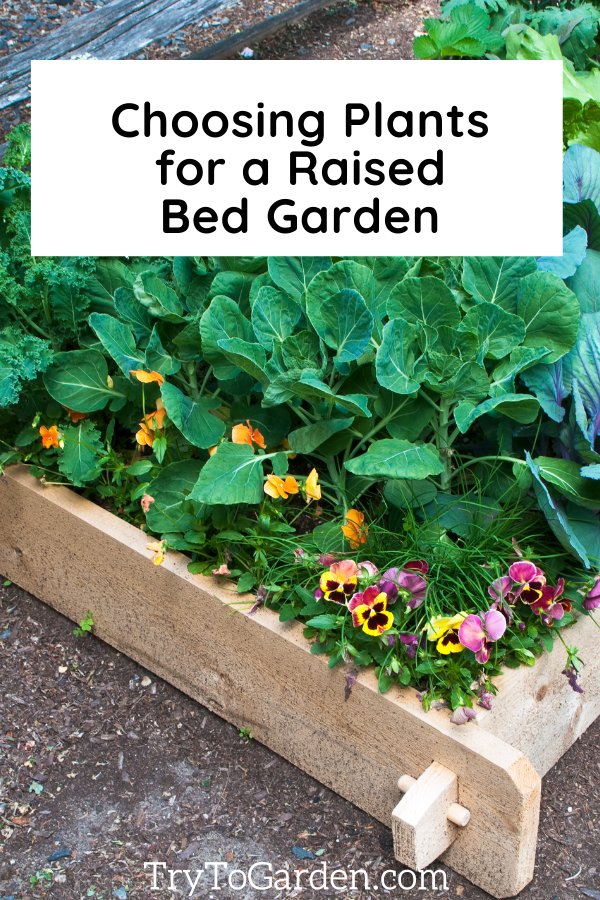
column 235, row 285
column 344, row 275
column 565, row 475
column 470, row 382
column 294, row 273
column 249, row 357
column 223, row 319
column 464, row 515
column 585, row 283
column 308, row 438
column 128, row 308
column 117, row 339
column 591, row 471
column 520, row 407
column 387, row 272
column 343, row 322
column 109, row 275
column 157, row 358
column 274, row 317
column 546, row 382
column 521, row 358
column 554, row 508
column 272, row 422
column 581, row 368
column 81, row 454
column 309, row 387
column 302, row 351
column 193, row 418
column 160, row 299
column 171, row 489
column 426, row 300
column 550, row 312
column 397, row 459
column 78, row 379
column 495, row 279
column 406, row 417
column 396, row 361
column 405, row 493
column 498, row 332
column 574, row 247
column 233, row 475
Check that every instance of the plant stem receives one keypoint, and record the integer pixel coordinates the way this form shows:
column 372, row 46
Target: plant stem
column 191, row 370
column 205, row 380
column 443, row 443
column 32, row 324
column 478, row 459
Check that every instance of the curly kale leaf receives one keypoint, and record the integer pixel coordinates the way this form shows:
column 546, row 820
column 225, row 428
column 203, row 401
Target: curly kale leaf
column 22, row 357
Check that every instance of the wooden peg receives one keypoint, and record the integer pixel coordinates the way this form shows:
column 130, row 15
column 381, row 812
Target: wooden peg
column 428, row 818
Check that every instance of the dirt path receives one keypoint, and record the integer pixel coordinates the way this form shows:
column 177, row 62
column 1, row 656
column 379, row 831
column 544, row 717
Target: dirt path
column 106, row 767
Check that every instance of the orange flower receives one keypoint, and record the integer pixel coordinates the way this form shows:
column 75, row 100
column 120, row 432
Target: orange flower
column 151, row 424
column 75, row 416
column 222, row 570
column 213, row 450
column 146, row 501
column 244, row 434
column 159, row 551
column 313, row 490
column 286, row 446
column 147, row 377
column 354, row 528
column 51, row 437
column 277, row 487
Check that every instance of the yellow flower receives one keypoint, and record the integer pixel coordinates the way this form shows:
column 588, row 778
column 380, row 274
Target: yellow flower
column 444, row 630
column 313, row 490
column 147, row 377
column 245, row 434
column 277, row 487
column 51, row 437
column 354, row 528
column 158, row 547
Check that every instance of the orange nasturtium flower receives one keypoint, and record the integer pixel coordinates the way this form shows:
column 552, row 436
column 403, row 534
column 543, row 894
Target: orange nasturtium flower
column 313, row 489
column 245, row 434
column 147, row 377
column 354, row 529
column 277, row 487
column 151, row 424
column 159, row 551
column 51, row 437
column 75, row 416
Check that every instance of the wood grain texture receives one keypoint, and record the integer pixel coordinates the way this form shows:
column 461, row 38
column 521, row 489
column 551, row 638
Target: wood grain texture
column 113, row 31
column 420, row 826
column 259, row 673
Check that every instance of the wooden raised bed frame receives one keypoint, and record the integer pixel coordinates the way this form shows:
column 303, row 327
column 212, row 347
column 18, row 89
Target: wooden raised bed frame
column 259, row 673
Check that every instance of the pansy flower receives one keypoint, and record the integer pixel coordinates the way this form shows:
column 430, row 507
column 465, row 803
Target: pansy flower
column 529, row 579
column 502, row 589
column 369, row 611
column 444, row 630
column 354, row 529
column 411, row 643
column 410, row 587
column 479, row 634
column 417, row 565
column 339, row 582
column 552, row 606
column 592, row 598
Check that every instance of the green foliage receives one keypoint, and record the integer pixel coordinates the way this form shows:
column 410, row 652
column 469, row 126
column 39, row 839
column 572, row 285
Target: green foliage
column 85, row 626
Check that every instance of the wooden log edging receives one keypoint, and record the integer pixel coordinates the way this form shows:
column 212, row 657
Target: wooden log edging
column 259, row 673
column 259, row 32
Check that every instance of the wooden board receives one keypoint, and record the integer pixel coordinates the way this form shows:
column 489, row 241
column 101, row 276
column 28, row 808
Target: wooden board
column 259, row 673
column 113, row 31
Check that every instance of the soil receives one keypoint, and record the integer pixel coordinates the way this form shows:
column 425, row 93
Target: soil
column 107, row 767
column 369, row 29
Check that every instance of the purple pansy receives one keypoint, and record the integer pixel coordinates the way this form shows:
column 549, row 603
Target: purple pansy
column 592, row 598
column 501, row 588
column 462, row 715
column 478, row 635
column 411, row 642
column 407, row 585
column 530, row 580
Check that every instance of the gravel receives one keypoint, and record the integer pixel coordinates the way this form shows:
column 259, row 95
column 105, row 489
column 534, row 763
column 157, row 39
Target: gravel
column 104, row 767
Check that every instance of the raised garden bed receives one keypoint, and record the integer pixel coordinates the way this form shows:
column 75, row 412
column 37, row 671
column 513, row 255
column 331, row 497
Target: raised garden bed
column 258, row 673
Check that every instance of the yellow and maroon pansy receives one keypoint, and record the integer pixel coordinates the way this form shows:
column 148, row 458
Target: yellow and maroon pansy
column 369, row 611
column 339, row 582
column 444, row 630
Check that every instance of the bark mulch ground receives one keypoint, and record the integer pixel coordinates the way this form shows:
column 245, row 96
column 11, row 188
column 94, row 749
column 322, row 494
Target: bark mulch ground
column 104, row 767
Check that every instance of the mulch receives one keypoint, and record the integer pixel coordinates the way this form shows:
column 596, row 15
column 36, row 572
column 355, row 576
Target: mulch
column 104, row 767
